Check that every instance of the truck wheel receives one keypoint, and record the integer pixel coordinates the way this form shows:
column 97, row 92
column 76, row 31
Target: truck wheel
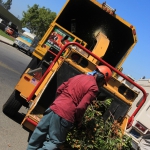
column 12, row 105
column 28, row 53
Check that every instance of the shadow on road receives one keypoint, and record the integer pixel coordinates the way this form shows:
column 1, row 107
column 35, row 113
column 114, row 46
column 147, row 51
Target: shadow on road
column 17, row 118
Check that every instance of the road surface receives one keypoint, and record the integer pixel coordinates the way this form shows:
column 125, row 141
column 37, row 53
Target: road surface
column 12, row 64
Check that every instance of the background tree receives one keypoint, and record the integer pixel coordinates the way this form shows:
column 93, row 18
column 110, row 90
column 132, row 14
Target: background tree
column 7, row 4
column 37, row 19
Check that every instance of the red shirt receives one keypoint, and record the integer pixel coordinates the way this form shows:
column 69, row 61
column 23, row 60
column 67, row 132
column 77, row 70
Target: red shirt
column 74, row 96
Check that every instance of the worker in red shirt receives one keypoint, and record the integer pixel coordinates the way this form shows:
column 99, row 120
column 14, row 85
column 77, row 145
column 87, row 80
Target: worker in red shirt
column 73, row 98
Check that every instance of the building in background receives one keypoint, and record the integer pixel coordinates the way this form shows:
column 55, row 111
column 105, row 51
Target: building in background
column 140, row 129
column 9, row 19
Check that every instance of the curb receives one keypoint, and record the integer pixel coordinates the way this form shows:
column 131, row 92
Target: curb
column 5, row 42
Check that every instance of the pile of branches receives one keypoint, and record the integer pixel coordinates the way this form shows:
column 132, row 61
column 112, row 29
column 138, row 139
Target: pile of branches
column 97, row 134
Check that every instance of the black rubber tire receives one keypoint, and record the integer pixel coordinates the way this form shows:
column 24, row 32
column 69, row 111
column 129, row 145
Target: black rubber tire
column 28, row 53
column 12, row 105
column 14, row 45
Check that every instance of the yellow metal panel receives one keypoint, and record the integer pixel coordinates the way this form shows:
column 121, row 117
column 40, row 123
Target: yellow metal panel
column 124, row 124
column 101, row 47
column 26, row 87
column 75, row 37
column 119, row 65
column 39, row 51
column 117, row 94
column 46, row 34
column 114, row 83
column 119, row 18
column 78, row 67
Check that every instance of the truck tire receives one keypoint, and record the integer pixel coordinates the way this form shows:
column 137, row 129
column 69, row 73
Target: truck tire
column 14, row 45
column 28, row 53
column 12, row 105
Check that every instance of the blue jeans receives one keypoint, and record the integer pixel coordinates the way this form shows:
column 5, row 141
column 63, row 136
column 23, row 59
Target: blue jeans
column 50, row 133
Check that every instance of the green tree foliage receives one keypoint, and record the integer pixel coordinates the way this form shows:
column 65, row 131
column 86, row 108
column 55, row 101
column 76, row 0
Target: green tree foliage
column 7, row 4
column 37, row 19
column 97, row 134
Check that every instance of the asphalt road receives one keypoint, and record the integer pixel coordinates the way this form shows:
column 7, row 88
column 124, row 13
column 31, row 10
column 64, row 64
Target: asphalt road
column 12, row 64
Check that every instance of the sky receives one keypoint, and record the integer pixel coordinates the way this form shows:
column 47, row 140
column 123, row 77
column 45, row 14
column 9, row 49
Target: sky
column 136, row 12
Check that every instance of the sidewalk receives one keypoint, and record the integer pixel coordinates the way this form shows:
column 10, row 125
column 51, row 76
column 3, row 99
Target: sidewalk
column 5, row 40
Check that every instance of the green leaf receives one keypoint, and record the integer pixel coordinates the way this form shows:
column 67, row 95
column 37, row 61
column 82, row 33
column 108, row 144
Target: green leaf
column 37, row 19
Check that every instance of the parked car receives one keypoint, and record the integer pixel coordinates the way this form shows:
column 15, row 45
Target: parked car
column 26, row 42
column 11, row 32
column 33, row 45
